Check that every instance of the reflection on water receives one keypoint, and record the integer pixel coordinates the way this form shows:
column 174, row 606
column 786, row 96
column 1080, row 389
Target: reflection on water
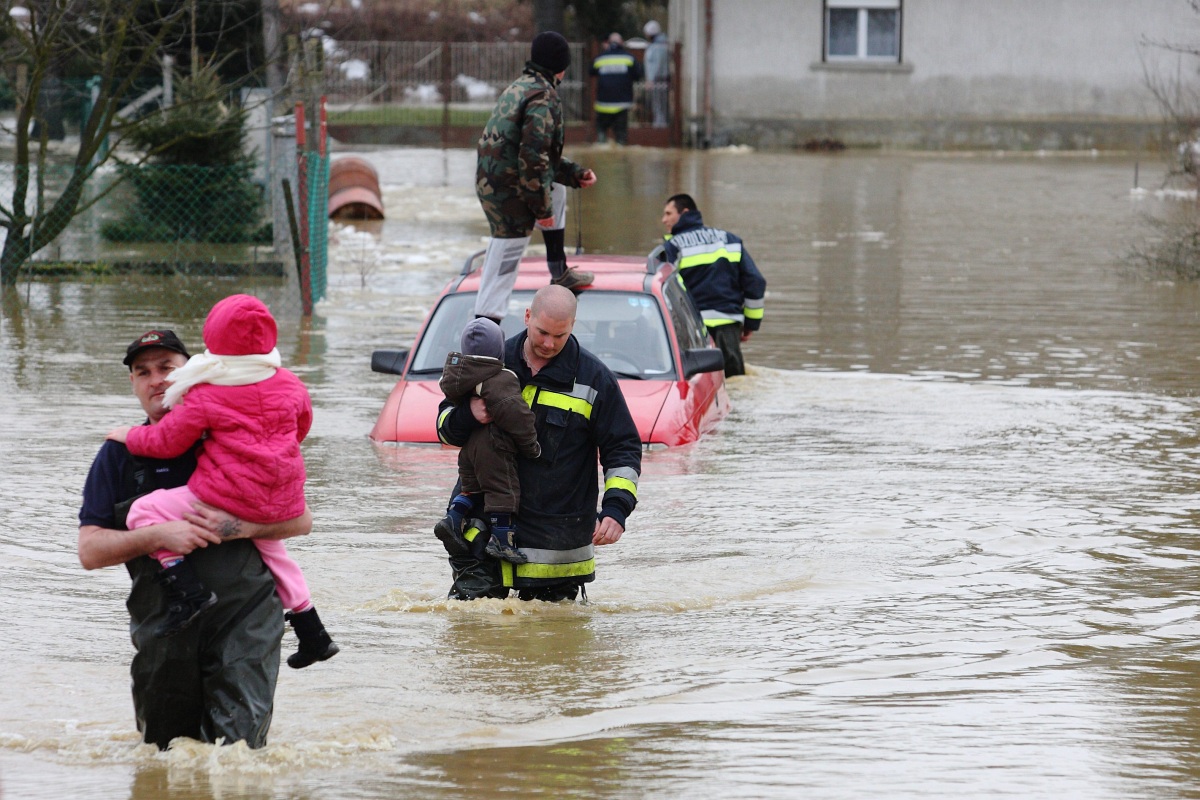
column 941, row 543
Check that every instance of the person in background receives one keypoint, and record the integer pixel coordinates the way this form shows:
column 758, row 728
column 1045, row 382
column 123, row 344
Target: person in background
column 215, row 681
column 521, row 177
column 658, row 73
column 581, row 418
column 615, row 71
column 719, row 274
column 487, row 463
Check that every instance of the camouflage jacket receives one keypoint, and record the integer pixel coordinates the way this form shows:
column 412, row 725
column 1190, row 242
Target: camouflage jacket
column 520, row 153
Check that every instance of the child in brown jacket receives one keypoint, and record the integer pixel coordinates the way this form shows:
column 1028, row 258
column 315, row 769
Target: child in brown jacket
column 487, row 463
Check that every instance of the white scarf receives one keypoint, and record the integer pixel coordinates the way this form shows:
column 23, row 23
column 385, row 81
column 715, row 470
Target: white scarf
column 220, row 370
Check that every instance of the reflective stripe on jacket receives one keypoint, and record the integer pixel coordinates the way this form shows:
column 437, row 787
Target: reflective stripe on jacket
column 717, row 271
column 581, row 416
column 615, row 70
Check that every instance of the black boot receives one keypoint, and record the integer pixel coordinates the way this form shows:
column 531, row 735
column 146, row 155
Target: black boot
column 187, row 598
column 315, row 644
column 450, row 527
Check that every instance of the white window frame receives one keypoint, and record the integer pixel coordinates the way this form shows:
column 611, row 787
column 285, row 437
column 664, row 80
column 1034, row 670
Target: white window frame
column 863, row 6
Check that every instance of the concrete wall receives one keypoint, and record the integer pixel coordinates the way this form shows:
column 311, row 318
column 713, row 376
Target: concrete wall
column 974, row 73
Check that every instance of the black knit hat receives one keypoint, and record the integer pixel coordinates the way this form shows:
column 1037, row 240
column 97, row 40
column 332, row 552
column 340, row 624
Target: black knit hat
column 550, row 50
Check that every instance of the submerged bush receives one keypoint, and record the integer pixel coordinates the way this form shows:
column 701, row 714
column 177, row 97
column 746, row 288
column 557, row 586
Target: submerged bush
column 1173, row 252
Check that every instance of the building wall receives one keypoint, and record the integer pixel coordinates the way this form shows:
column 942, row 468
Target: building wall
column 993, row 73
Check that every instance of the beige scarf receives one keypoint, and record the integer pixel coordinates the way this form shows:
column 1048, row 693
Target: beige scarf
column 220, row 370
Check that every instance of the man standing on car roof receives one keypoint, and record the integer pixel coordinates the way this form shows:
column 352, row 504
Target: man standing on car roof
column 519, row 161
column 719, row 274
column 580, row 416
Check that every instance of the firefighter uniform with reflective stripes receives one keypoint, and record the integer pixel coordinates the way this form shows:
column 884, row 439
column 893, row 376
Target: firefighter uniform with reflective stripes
column 615, row 71
column 722, row 279
column 580, row 415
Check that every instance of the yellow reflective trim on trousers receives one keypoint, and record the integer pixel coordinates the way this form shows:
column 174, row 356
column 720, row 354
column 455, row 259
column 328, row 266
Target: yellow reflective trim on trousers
column 710, row 258
column 621, row 483
column 506, row 574
column 611, row 108
column 572, row 570
column 556, row 400
column 470, row 533
column 441, row 419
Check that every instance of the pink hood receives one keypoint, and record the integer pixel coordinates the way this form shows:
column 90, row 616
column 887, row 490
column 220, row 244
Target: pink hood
column 240, row 325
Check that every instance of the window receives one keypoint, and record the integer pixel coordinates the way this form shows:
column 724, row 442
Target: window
column 862, row 30
column 689, row 325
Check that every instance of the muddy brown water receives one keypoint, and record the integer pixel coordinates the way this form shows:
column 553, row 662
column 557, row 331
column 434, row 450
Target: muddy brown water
column 943, row 545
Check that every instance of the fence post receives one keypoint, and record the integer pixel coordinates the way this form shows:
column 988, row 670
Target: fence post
column 306, row 299
column 675, row 95
column 318, row 231
column 445, row 94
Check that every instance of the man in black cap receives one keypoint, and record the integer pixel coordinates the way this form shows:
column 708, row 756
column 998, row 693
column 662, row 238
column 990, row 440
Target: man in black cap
column 521, row 176
column 215, row 680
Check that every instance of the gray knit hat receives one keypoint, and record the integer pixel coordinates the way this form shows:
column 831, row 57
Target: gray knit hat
column 483, row 337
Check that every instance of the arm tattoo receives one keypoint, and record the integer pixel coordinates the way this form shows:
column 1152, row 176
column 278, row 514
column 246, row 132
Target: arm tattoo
column 230, row 528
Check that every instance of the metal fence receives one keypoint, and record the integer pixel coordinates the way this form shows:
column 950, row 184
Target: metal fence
column 434, row 93
column 413, row 82
column 187, row 229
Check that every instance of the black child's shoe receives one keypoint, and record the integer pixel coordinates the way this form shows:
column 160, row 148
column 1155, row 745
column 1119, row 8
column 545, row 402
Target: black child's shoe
column 315, row 644
column 187, row 598
column 449, row 530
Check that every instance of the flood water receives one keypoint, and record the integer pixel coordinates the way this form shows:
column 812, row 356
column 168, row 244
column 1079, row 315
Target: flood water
column 943, row 545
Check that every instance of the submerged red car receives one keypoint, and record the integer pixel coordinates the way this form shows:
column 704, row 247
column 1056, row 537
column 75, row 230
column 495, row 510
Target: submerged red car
column 635, row 317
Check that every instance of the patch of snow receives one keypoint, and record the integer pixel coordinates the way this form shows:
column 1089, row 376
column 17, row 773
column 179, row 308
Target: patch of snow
column 355, row 69
column 475, row 88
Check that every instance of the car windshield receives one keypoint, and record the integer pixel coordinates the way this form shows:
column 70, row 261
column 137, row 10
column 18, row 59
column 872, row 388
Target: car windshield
column 625, row 330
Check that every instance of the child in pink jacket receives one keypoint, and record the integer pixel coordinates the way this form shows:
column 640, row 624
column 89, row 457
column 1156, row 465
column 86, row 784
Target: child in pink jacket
column 252, row 415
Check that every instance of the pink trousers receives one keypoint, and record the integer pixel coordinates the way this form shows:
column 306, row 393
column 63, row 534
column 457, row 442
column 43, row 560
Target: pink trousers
column 165, row 505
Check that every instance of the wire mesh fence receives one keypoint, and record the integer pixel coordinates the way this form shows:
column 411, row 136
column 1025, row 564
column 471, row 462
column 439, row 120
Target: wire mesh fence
column 176, row 231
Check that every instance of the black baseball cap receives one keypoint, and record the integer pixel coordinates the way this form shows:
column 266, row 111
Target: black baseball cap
column 157, row 338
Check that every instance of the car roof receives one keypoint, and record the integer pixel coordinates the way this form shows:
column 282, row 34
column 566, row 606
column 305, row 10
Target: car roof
column 613, row 273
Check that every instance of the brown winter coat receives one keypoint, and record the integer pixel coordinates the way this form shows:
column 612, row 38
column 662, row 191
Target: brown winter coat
column 487, row 462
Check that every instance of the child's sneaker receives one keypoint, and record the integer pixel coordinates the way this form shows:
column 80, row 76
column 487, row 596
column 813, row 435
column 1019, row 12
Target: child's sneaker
column 187, row 598
column 500, row 545
column 315, row 643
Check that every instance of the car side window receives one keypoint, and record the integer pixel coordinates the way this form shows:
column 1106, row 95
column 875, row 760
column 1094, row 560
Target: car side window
column 626, row 331
column 689, row 325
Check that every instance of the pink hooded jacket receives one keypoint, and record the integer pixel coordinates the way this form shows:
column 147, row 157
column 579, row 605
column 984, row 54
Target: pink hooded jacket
column 250, row 464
